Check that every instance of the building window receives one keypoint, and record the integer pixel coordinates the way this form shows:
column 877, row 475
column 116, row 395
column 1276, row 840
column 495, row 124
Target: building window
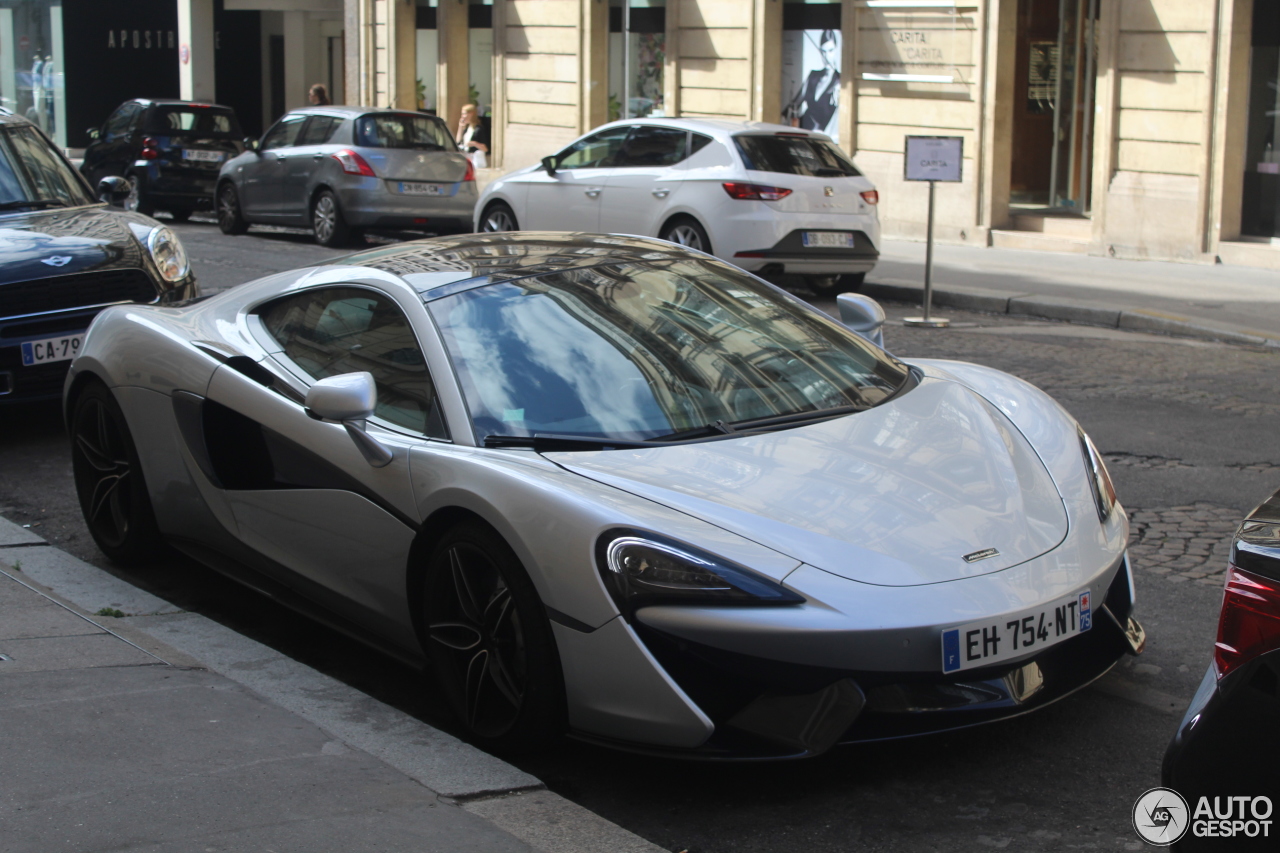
column 635, row 75
column 811, row 51
column 32, row 78
column 1260, row 216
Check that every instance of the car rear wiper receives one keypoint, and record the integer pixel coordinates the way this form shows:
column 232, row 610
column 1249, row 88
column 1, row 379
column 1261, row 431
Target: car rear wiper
column 33, row 202
column 830, row 172
column 753, row 424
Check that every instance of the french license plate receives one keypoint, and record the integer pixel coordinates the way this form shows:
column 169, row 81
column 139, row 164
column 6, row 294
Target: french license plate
column 413, row 188
column 202, row 156
column 43, row 351
column 994, row 640
column 829, row 239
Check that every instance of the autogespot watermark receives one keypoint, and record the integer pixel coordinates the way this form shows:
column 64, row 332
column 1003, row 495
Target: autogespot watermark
column 1161, row 816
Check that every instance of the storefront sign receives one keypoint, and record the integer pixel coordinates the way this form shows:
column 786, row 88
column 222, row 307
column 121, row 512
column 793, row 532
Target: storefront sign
column 934, row 158
column 927, row 46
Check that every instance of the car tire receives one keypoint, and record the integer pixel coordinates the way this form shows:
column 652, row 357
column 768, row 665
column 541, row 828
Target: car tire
column 108, row 479
column 498, row 217
column 686, row 231
column 230, row 215
column 326, row 220
column 833, row 285
column 138, row 200
column 488, row 636
column 181, row 214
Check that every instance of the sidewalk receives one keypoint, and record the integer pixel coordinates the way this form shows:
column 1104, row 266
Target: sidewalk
column 161, row 730
column 1239, row 304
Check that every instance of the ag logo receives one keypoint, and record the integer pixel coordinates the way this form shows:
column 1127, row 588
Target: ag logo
column 1161, row 817
column 56, row 260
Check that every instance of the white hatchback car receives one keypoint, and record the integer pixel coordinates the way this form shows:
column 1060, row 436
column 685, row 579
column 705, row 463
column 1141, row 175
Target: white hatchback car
column 768, row 198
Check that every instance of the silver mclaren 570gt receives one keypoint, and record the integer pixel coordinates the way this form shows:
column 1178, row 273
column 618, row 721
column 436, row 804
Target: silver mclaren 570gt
column 617, row 488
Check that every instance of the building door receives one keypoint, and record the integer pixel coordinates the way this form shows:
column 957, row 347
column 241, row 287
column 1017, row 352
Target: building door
column 276, row 68
column 1053, row 101
column 1260, row 216
column 637, row 54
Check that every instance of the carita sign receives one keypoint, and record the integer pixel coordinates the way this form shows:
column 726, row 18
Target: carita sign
column 934, row 158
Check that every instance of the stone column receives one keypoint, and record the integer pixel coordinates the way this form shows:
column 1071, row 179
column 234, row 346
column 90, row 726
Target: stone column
column 453, row 76
column 195, row 50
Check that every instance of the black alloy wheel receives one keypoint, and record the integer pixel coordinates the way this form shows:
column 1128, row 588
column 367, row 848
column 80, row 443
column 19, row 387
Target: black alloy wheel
column 498, row 217
column 108, row 477
column 684, row 231
column 327, row 220
column 490, row 640
column 138, row 199
column 230, row 217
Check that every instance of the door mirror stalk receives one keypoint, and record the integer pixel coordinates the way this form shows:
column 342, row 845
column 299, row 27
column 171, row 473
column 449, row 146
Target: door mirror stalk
column 863, row 315
column 113, row 189
column 549, row 163
column 350, row 399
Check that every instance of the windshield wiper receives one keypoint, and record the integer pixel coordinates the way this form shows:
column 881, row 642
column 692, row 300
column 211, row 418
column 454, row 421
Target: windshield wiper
column 33, row 202
column 753, row 424
column 549, row 442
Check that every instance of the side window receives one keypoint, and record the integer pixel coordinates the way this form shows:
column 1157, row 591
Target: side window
column 698, row 143
column 120, row 120
column 653, row 146
column 595, row 151
column 318, row 130
column 284, row 133
column 337, row 330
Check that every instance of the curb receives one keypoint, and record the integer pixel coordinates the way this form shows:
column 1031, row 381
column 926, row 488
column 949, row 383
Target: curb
column 1069, row 310
column 458, row 773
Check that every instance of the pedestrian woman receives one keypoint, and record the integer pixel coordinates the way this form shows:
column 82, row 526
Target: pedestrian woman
column 473, row 137
column 319, row 95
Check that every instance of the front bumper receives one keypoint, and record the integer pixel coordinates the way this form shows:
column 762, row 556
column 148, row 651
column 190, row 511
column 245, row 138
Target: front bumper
column 769, row 709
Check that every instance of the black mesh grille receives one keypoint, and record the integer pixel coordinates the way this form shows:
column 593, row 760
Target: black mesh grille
column 74, row 291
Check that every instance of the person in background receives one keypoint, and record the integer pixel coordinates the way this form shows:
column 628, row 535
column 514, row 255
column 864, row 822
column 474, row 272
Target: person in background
column 318, row 95
column 473, row 137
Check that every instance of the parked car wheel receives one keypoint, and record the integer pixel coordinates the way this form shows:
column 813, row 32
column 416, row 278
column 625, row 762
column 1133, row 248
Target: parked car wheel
column 490, row 641
column 138, row 200
column 686, row 232
column 831, row 285
column 108, row 478
column 498, row 217
column 180, row 214
column 230, row 218
column 326, row 219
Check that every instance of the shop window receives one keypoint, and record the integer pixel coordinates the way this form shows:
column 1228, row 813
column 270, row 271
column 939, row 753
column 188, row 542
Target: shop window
column 427, row 52
column 635, row 73
column 32, row 78
column 811, row 52
column 1260, row 216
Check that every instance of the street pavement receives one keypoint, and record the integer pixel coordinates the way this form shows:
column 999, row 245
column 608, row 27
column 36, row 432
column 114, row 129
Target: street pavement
column 1186, row 424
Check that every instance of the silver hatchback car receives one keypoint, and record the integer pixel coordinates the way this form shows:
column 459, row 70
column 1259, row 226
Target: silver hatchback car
column 341, row 170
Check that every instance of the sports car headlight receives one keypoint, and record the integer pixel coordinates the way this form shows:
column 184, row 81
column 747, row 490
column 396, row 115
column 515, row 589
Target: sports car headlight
column 167, row 251
column 640, row 569
column 1104, row 492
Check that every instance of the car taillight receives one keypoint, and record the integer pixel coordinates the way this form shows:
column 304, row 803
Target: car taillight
column 471, row 171
column 149, row 151
column 870, row 196
column 1250, row 622
column 757, row 192
column 353, row 163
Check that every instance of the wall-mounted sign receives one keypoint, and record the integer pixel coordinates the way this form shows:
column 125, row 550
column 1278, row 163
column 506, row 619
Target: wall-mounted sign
column 934, row 158
column 915, row 45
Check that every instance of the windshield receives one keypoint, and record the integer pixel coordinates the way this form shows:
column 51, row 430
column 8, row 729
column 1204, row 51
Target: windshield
column 32, row 174
column 795, row 155
column 642, row 350
column 403, row 130
column 206, row 121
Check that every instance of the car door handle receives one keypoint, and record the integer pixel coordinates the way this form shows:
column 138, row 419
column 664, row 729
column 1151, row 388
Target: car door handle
column 592, row 193
column 317, row 156
column 661, row 192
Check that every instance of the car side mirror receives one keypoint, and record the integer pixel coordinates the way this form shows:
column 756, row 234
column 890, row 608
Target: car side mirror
column 350, row 399
column 250, row 144
column 93, row 133
column 113, row 189
column 549, row 163
column 863, row 315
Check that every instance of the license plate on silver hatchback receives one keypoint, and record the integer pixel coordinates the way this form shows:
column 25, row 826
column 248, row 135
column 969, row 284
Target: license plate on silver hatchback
column 415, row 188
column 46, row 350
column 991, row 641
column 829, row 239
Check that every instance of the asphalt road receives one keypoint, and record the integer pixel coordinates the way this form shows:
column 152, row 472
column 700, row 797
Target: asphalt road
column 1188, row 428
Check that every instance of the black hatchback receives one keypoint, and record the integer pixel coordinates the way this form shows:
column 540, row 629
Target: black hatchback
column 169, row 152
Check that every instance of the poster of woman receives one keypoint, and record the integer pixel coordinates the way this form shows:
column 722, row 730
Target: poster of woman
column 811, row 80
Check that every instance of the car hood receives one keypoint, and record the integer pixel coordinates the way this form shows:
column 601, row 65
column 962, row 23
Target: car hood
column 898, row 495
column 60, row 242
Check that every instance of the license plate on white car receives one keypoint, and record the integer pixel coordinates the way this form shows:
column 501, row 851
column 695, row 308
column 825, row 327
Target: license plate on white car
column 202, row 156
column 991, row 641
column 45, row 350
column 414, row 188
column 829, row 239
